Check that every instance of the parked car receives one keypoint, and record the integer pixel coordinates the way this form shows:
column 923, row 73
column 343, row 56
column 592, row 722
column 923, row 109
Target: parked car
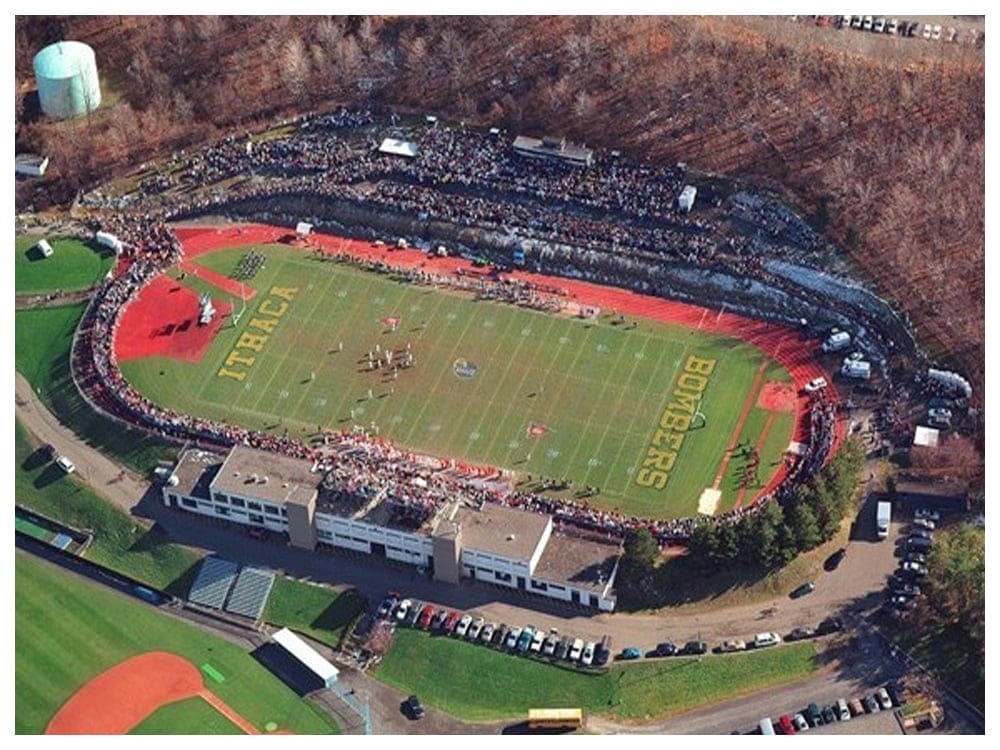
column 936, row 31
column 450, row 623
column 500, row 636
column 512, row 638
column 830, row 625
column 902, row 587
column 524, row 641
column 694, row 648
column 402, row 610
column 927, row 31
column 536, row 642
column 463, row 626
column 630, row 653
column 892, row 27
column 834, row 560
column 386, row 606
column 763, row 640
column 922, row 523
column 902, row 603
column 855, row 707
column 816, row 384
column 815, row 715
column 414, row 614
column 829, row 715
column 438, row 620
column 867, row 23
column 915, row 557
column 412, row 707
column 919, row 533
column 475, row 628
column 426, row 615
column 785, row 724
column 603, row 652
column 916, row 544
column 666, row 648
column 65, row 464
column 882, row 696
column 732, row 646
column 800, row 723
column 486, row 635
column 913, row 29
column 806, row 588
column 549, row 647
column 928, row 513
column 576, row 650
column 588, row 653
column 843, row 712
column 563, row 647
column 879, row 26
column 800, row 634
column 913, row 568
column 870, row 704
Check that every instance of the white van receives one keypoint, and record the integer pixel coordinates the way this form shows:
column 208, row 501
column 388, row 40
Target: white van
column 765, row 726
column 843, row 712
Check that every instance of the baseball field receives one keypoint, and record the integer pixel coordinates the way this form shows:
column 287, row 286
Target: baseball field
column 642, row 412
column 70, row 631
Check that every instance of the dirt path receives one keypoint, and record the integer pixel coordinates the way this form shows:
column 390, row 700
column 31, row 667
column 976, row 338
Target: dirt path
column 58, row 299
column 109, row 479
column 748, row 404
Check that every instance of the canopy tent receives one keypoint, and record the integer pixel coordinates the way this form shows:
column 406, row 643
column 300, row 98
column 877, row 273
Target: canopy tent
column 396, row 147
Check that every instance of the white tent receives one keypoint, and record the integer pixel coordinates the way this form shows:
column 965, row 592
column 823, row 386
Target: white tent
column 307, row 655
column 951, row 380
column 44, row 248
column 396, row 147
column 685, row 201
column 926, row 436
column 303, row 229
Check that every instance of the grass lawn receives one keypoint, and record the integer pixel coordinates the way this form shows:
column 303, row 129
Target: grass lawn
column 191, row 716
column 74, row 264
column 42, row 341
column 119, row 542
column 597, row 390
column 314, row 610
column 477, row 683
column 69, row 630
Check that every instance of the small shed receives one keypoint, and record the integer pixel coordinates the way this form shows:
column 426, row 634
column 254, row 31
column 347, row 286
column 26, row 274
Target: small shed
column 685, row 201
column 44, row 248
column 927, row 437
column 307, row 656
column 303, row 229
column 31, row 165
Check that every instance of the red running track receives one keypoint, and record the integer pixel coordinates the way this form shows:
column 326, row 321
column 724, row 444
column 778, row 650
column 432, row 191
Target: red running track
column 788, row 346
column 163, row 321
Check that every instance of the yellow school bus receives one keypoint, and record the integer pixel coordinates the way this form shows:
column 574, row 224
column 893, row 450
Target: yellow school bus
column 555, row 718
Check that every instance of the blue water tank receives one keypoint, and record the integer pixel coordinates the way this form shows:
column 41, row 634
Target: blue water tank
column 68, row 86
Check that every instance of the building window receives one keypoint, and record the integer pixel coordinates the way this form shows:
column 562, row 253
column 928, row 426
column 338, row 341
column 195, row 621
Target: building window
column 220, row 498
column 254, row 518
column 556, row 587
column 237, row 501
column 252, row 505
column 271, row 510
column 539, row 585
column 188, row 502
column 222, row 511
column 502, row 576
column 284, row 513
column 324, row 534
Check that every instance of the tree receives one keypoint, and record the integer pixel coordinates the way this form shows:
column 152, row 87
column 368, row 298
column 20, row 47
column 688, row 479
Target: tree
column 956, row 581
column 636, row 566
column 803, row 525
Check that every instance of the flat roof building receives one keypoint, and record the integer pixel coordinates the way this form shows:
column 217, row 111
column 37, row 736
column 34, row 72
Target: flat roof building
column 491, row 543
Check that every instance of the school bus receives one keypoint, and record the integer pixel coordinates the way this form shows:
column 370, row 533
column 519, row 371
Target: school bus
column 555, row 718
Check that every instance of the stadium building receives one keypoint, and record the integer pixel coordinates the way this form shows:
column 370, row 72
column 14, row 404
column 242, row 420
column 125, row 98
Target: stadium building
column 490, row 543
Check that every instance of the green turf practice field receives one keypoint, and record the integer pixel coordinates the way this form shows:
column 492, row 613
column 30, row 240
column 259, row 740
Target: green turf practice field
column 448, row 674
column 539, row 394
column 73, row 265
column 69, row 630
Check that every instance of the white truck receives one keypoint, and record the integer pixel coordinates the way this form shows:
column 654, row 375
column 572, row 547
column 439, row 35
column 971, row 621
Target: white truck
column 836, row 341
column 883, row 515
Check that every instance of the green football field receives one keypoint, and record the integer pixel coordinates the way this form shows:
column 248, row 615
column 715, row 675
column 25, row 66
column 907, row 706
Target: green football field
column 539, row 394
column 69, row 630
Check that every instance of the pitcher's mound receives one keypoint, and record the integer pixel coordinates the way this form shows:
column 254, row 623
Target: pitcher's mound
column 777, row 396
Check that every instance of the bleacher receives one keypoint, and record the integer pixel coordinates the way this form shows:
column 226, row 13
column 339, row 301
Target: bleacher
column 249, row 595
column 214, row 580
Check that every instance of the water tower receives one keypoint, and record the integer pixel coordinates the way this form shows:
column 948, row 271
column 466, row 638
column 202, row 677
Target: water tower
column 68, row 86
